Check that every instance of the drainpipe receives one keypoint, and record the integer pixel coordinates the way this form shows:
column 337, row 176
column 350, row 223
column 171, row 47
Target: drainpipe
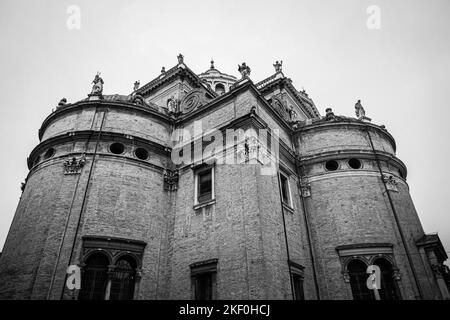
column 408, row 255
column 308, row 234
column 84, row 197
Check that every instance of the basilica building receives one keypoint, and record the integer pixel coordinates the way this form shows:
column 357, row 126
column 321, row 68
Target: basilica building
column 211, row 186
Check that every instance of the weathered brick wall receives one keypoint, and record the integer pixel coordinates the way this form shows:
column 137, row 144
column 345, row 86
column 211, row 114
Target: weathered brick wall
column 340, row 137
column 28, row 234
column 243, row 229
column 121, row 120
column 350, row 206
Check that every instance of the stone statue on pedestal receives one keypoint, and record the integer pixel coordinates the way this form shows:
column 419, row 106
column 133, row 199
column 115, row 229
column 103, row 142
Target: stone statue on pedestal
column 359, row 110
column 97, row 88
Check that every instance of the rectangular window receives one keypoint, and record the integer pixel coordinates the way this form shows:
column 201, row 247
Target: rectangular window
column 285, row 190
column 297, row 276
column 203, row 286
column 203, row 275
column 297, row 281
column 204, row 180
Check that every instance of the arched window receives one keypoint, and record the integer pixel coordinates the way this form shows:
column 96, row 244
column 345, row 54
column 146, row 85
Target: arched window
column 389, row 289
column 94, row 278
column 123, row 279
column 358, row 277
column 220, row 89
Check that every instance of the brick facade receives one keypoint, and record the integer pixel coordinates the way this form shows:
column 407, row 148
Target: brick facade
column 247, row 229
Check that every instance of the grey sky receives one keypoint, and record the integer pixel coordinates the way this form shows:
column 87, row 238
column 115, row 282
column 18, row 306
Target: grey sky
column 400, row 72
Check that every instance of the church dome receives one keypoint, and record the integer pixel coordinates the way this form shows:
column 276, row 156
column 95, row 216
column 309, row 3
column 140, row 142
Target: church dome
column 218, row 81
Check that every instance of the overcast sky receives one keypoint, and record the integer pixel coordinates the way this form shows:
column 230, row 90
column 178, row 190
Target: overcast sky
column 400, row 71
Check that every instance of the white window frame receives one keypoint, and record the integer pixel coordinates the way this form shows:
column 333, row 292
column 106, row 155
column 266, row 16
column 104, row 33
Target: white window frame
column 289, row 203
column 196, row 186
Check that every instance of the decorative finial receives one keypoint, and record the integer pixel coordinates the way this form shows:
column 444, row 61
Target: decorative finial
column 180, row 58
column 244, row 70
column 329, row 114
column 278, row 66
column 212, row 64
column 97, row 88
column 136, row 85
column 62, row 102
column 163, row 70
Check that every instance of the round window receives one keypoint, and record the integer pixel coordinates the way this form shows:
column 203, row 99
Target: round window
column 141, row 153
column 354, row 163
column 331, row 165
column 117, row 148
column 49, row 153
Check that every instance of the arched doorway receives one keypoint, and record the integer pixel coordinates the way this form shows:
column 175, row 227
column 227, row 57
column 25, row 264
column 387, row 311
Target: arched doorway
column 123, row 279
column 94, row 278
column 358, row 277
column 389, row 289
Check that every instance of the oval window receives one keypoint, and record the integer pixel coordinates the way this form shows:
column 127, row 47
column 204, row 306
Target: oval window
column 331, row 165
column 50, row 152
column 117, row 148
column 354, row 163
column 141, row 153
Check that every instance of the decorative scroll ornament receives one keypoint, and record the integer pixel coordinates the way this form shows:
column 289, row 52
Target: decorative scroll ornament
column 391, row 183
column 305, row 187
column 97, row 88
column 192, row 101
column 74, row 165
column 171, row 180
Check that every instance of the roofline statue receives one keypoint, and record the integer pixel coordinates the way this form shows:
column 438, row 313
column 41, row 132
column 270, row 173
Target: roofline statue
column 360, row 112
column 278, row 66
column 97, row 88
column 244, row 70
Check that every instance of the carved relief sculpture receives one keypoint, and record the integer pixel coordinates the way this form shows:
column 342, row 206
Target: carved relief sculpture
column 170, row 180
column 74, row 165
column 391, row 183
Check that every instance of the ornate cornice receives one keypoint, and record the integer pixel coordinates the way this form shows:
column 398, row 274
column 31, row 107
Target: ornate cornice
column 322, row 124
column 101, row 104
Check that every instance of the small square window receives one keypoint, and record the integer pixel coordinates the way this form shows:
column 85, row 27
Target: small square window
column 204, row 185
